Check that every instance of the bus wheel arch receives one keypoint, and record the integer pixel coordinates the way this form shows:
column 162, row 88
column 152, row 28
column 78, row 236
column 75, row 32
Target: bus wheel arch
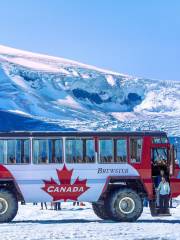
column 100, row 210
column 116, row 184
column 11, row 186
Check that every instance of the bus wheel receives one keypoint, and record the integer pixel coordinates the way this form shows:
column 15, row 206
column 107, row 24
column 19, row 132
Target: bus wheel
column 125, row 205
column 8, row 206
column 100, row 211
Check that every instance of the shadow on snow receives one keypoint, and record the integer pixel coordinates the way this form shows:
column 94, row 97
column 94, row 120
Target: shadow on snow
column 66, row 221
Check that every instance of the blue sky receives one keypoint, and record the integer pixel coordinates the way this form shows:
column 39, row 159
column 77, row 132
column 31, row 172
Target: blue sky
column 137, row 37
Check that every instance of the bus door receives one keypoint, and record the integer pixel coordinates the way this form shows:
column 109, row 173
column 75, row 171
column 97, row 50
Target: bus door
column 139, row 158
column 174, row 172
column 159, row 162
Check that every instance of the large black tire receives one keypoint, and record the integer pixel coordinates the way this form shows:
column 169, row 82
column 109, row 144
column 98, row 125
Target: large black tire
column 100, row 211
column 8, row 205
column 124, row 205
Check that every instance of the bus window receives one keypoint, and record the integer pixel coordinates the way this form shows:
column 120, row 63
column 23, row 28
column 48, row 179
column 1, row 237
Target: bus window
column 159, row 162
column 47, row 151
column 106, row 150
column 121, row 150
column 15, row 151
column 40, row 151
column 80, row 150
column 74, row 151
column 160, row 140
column 3, row 151
column 159, row 156
column 55, row 151
column 135, row 149
column 11, row 151
column 88, row 150
column 26, row 150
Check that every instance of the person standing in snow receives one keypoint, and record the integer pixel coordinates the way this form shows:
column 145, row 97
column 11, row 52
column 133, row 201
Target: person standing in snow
column 45, row 204
column 79, row 204
column 75, row 203
column 164, row 191
column 57, row 206
column 157, row 182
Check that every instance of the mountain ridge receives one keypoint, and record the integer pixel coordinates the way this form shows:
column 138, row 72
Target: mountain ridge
column 74, row 95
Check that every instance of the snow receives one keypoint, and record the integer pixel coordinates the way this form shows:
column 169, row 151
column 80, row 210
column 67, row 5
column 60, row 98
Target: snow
column 20, row 113
column 31, row 223
column 8, row 51
column 34, row 65
column 68, row 101
column 71, row 94
column 111, row 80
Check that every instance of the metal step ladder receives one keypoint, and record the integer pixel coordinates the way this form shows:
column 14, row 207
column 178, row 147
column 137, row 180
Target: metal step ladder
column 155, row 210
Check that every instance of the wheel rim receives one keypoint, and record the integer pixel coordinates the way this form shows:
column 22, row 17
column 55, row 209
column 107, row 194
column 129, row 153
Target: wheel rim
column 3, row 206
column 126, row 205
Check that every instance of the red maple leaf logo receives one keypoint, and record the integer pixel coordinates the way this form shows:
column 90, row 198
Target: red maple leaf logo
column 65, row 190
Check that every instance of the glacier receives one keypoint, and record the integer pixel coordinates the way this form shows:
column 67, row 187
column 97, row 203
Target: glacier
column 41, row 92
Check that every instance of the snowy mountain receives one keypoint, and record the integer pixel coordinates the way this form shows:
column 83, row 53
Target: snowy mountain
column 43, row 92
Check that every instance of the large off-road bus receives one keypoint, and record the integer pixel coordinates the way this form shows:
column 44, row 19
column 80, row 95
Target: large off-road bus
column 114, row 171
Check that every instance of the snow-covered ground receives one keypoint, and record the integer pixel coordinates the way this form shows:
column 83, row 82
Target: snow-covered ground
column 74, row 223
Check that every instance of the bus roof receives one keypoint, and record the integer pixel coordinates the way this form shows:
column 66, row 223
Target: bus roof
column 82, row 133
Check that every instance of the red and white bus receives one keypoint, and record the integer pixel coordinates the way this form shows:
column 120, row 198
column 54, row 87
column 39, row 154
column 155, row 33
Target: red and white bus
column 114, row 171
